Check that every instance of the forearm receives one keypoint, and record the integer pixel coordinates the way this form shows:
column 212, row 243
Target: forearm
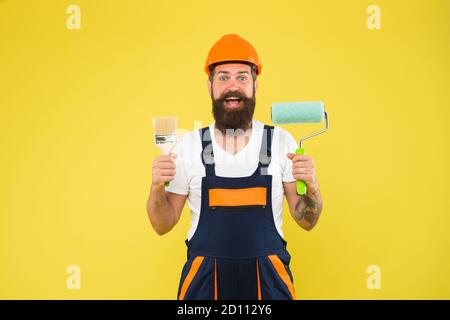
column 161, row 214
column 308, row 209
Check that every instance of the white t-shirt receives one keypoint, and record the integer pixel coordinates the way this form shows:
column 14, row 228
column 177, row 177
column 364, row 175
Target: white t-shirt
column 190, row 169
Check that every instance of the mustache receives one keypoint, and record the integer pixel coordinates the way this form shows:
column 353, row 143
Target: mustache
column 232, row 94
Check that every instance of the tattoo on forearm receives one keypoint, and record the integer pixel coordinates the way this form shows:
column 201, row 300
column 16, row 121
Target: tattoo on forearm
column 308, row 209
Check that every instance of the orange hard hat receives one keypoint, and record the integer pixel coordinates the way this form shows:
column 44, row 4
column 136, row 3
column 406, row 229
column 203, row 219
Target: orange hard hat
column 232, row 47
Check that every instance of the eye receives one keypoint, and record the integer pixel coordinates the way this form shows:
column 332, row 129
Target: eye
column 223, row 78
column 242, row 78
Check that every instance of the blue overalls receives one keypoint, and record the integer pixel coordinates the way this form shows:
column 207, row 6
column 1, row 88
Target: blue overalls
column 236, row 251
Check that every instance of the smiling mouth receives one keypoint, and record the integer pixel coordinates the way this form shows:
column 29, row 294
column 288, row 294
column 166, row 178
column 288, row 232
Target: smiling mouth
column 232, row 102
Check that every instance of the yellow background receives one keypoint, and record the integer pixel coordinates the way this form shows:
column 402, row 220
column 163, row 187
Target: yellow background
column 76, row 139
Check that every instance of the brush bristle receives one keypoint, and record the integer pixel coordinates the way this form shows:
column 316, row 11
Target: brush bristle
column 165, row 125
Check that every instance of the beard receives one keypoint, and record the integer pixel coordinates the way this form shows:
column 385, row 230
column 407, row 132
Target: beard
column 239, row 118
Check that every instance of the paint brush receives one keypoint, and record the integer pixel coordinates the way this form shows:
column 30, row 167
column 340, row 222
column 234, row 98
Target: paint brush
column 165, row 134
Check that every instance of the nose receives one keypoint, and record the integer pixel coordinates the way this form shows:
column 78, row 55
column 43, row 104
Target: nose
column 233, row 85
column 233, row 88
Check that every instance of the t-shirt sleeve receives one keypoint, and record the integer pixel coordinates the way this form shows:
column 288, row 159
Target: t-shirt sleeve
column 289, row 145
column 180, row 184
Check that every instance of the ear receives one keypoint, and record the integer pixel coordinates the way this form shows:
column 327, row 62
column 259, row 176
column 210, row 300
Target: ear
column 209, row 86
column 256, row 84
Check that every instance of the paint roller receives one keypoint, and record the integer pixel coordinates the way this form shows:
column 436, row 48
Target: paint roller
column 300, row 112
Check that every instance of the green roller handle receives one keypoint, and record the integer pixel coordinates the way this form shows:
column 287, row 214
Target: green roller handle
column 300, row 184
column 166, row 184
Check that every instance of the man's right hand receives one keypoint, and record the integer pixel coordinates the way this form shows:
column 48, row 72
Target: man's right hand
column 163, row 169
column 164, row 208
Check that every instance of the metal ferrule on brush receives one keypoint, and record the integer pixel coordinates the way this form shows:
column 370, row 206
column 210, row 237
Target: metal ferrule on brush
column 165, row 138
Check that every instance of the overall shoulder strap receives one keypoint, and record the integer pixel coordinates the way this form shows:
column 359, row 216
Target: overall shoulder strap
column 265, row 152
column 207, row 154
